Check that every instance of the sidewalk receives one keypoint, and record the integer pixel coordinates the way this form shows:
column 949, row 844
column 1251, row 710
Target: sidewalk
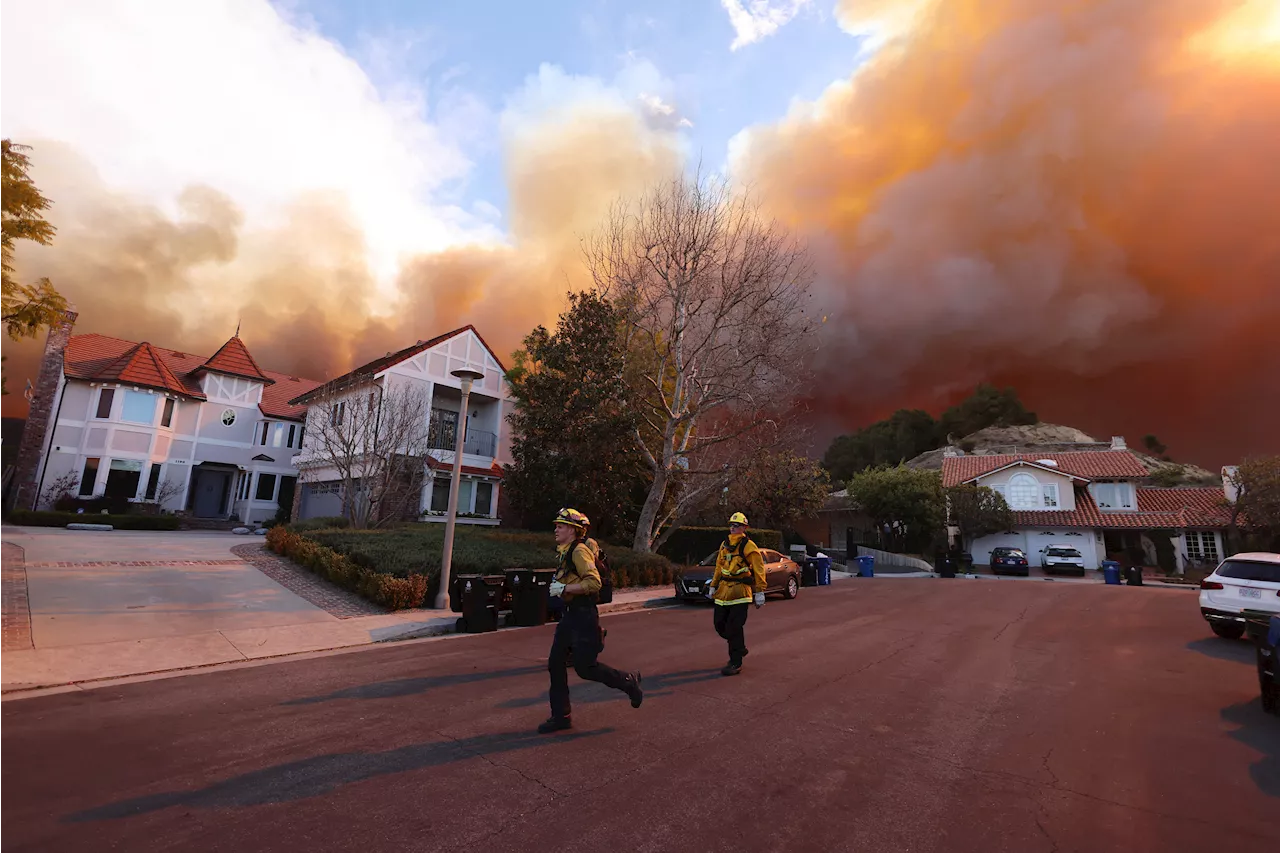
column 32, row 669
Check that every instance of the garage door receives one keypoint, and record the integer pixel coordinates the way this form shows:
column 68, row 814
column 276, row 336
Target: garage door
column 1081, row 541
column 320, row 500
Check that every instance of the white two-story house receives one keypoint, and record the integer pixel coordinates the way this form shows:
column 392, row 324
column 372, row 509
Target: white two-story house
column 1093, row 501
column 210, row 437
column 356, row 401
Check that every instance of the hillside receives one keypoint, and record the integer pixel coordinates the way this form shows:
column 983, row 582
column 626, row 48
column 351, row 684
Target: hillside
column 1055, row 438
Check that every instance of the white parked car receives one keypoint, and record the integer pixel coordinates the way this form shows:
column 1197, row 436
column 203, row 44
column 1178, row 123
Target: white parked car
column 1242, row 582
column 1062, row 559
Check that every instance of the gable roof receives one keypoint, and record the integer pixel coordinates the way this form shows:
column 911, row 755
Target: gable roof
column 233, row 359
column 141, row 365
column 367, row 371
column 1083, row 465
column 92, row 356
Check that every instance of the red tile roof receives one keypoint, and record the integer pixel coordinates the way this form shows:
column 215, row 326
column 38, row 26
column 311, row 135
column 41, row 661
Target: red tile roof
column 90, row 356
column 1088, row 465
column 141, row 365
column 1157, row 509
column 233, row 359
column 367, row 371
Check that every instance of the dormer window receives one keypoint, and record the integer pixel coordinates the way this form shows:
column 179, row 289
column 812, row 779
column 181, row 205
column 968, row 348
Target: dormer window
column 1113, row 496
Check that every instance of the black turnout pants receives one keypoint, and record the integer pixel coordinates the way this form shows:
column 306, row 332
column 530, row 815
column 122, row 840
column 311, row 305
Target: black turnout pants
column 731, row 619
column 579, row 630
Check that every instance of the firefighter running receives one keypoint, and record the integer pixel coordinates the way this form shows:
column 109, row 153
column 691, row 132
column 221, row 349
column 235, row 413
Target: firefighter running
column 738, row 583
column 577, row 582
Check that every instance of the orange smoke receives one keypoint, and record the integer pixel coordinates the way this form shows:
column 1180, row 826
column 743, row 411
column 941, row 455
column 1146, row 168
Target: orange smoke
column 303, row 292
column 1080, row 197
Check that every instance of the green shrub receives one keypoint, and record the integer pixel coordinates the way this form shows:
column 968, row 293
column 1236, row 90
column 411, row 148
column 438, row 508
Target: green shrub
column 333, row 522
column 400, row 566
column 690, row 545
column 28, row 518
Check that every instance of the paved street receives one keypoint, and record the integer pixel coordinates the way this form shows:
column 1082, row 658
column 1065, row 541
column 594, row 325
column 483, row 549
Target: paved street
column 887, row 715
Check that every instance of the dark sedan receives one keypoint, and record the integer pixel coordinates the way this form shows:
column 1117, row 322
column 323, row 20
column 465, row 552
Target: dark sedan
column 781, row 574
column 1009, row 561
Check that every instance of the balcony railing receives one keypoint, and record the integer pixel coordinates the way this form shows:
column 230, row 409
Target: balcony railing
column 478, row 442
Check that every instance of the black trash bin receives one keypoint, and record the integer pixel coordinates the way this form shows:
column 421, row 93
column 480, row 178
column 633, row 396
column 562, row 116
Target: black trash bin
column 455, row 590
column 947, row 565
column 1264, row 630
column 808, row 573
column 480, row 598
column 529, row 595
column 1133, row 576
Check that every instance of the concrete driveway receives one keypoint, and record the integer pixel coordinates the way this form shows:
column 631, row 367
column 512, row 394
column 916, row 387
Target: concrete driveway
column 99, row 595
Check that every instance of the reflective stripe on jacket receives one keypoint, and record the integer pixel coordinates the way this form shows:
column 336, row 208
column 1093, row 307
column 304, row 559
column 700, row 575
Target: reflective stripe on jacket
column 738, row 576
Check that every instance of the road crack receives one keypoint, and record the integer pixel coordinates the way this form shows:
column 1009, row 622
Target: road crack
column 555, row 795
column 1012, row 622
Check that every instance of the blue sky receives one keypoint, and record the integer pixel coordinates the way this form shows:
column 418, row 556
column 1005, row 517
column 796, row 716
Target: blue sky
column 473, row 57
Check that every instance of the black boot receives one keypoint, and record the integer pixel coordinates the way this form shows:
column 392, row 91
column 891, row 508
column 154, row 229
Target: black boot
column 555, row 724
column 731, row 668
column 634, row 690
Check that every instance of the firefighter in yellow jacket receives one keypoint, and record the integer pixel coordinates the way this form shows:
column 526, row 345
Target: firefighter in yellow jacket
column 738, row 583
column 577, row 582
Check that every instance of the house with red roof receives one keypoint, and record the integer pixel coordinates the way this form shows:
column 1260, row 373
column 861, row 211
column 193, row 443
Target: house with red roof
column 426, row 368
column 1095, row 502
column 210, row 436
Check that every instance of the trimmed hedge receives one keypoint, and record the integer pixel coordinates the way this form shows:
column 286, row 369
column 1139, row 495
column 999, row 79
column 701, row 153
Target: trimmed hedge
column 406, row 554
column 46, row 518
column 334, row 522
column 690, row 545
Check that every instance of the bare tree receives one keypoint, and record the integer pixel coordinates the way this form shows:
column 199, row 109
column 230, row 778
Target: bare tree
column 65, row 486
column 373, row 440
column 714, row 297
column 168, row 489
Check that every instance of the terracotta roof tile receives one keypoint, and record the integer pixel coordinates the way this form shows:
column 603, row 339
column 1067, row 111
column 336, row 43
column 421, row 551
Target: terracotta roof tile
column 1089, row 465
column 89, row 355
column 141, row 365
column 233, row 359
column 1157, row 509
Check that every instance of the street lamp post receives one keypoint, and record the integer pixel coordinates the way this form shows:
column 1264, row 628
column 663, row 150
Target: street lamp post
column 451, row 520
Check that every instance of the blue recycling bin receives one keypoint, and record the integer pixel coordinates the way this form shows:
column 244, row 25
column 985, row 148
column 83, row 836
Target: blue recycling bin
column 1111, row 571
column 821, row 570
column 866, row 567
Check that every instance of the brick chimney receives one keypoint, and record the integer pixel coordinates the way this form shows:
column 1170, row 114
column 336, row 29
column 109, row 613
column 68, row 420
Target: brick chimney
column 40, row 416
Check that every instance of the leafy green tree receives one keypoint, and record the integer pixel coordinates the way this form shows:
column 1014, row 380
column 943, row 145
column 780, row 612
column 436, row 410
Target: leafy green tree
column 977, row 511
column 902, row 436
column 1258, row 500
column 572, row 430
column 986, row 406
column 27, row 308
column 905, row 504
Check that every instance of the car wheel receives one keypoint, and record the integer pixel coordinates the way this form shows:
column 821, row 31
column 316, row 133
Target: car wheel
column 1227, row 630
column 792, row 589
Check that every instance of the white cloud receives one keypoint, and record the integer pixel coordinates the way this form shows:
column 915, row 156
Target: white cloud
column 161, row 95
column 755, row 20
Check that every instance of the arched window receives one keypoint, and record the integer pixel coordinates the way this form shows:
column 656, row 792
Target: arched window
column 1024, row 492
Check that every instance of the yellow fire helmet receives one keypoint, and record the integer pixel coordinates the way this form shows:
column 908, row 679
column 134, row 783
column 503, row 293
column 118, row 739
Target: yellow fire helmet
column 573, row 518
column 737, row 518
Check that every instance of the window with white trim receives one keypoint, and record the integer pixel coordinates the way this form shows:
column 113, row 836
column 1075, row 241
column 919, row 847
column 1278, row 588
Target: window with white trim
column 1202, row 545
column 1023, row 492
column 338, row 413
column 1113, row 495
column 1049, row 491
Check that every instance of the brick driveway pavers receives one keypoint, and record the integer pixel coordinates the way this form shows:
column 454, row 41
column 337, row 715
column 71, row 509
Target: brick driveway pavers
column 315, row 589
column 17, row 610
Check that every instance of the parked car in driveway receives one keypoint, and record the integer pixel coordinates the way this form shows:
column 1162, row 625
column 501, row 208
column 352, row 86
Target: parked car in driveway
column 1239, row 583
column 1062, row 560
column 1009, row 561
column 781, row 574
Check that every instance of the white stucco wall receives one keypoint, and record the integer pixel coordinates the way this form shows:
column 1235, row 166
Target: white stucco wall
column 1066, row 492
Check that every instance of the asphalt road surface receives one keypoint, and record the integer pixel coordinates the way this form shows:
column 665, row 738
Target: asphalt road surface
column 881, row 715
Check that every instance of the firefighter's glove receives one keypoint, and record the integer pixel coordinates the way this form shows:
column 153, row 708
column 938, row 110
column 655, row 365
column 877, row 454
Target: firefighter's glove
column 759, row 598
column 711, row 591
column 557, row 589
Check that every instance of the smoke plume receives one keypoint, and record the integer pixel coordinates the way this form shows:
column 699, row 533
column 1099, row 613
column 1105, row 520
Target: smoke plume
column 1078, row 198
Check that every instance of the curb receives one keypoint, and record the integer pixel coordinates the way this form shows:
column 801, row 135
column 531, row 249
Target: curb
column 605, row 610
